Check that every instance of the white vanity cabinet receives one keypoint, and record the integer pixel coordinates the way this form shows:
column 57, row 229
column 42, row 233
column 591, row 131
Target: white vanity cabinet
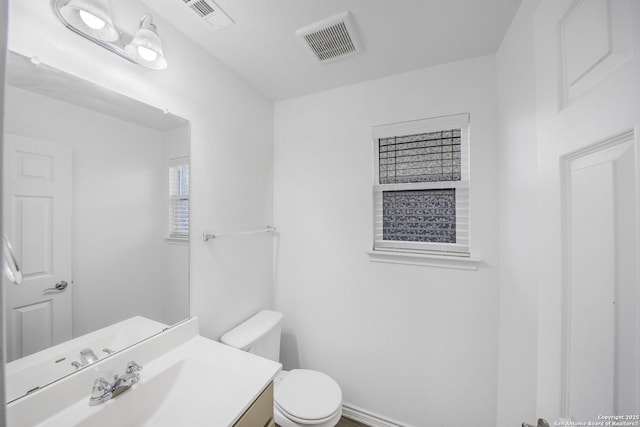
column 260, row 413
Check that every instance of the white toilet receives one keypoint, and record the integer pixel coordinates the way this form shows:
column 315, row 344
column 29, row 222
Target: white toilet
column 301, row 397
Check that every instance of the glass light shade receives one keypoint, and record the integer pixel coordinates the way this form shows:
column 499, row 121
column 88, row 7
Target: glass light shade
column 146, row 46
column 92, row 17
column 92, row 20
column 147, row 54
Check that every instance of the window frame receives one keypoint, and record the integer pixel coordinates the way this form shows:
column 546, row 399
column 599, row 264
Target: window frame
column 391, row 249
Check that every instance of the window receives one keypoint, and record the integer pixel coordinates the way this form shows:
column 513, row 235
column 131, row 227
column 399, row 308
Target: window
column 179, row 198
column 421, row 188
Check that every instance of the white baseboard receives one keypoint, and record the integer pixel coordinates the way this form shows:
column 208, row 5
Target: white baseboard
column 368, row 418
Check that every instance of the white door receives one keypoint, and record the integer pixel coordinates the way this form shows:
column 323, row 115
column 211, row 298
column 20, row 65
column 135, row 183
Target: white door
column 588, row 87
column 37, row 219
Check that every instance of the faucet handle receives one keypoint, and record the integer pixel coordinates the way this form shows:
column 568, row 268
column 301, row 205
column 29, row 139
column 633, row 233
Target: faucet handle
column 101, row 392
column 101, row 384
column 133, row 367
column 101, row 387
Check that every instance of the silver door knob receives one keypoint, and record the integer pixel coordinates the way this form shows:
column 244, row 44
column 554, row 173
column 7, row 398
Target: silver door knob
column 541, row 423
column 60, row 286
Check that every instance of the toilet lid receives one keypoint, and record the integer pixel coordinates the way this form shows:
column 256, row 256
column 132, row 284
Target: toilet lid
column 308, row 395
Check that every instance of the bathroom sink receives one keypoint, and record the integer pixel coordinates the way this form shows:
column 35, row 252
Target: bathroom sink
column 177, row 396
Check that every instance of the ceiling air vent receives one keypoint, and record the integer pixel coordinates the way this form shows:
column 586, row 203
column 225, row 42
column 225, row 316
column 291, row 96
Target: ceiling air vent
column 210, row 13
column 331, row 38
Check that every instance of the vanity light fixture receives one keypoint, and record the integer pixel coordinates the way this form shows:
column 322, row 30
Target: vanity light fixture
column 146, row 46
column 92, row 20
column 92, row 17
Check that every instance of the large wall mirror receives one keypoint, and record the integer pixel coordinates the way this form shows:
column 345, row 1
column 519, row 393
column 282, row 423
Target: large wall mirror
column 95, row 203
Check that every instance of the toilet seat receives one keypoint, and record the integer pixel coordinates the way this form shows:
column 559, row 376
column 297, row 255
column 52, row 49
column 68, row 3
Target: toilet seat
column 283, row 420
column 307, row 397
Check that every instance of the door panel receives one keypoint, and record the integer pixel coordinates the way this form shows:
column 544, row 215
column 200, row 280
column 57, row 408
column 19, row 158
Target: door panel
column 590, row 304
column 37, row 219
column 32, row 327
column 600, row 188
column 34, row 217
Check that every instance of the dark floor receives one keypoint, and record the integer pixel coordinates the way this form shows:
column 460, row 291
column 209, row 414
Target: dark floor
column 346, row 422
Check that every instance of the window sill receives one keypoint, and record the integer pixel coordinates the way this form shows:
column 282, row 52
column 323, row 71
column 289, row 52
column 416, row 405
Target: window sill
column 177, row 240
column 427, row 260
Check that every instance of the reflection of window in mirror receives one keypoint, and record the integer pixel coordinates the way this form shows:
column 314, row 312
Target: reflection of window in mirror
column 178, row 198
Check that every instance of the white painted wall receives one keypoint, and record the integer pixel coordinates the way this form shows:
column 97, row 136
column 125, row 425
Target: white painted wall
column 117, row 204
column 231, row 148
column 518, row 219
column 418, row 345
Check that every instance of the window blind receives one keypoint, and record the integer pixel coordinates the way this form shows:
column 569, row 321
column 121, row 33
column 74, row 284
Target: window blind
column 179, row 198
column 421, row 192
column 426, row 157
column 419, row 216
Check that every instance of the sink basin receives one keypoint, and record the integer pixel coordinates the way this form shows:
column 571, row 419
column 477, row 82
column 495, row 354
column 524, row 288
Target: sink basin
column 177, row 396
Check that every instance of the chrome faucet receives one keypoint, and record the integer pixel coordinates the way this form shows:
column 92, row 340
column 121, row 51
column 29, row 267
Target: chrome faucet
column 87, row 357
column 103, row 390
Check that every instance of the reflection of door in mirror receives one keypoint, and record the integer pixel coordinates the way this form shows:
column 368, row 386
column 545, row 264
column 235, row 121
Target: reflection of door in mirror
column 36, row 214
column 123, row 263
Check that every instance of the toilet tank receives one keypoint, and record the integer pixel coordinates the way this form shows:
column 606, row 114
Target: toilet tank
column 259, row 335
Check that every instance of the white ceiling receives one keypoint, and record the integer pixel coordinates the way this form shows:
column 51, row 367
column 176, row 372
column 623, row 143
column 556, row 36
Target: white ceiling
column 398, row 36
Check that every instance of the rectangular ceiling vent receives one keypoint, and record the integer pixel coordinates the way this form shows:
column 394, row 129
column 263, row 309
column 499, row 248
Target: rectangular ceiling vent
column 332, row 38
column 210, row 13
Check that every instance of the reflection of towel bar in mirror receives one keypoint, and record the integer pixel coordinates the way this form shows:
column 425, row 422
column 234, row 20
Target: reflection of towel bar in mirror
column 268, row 229
column 9, row 262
